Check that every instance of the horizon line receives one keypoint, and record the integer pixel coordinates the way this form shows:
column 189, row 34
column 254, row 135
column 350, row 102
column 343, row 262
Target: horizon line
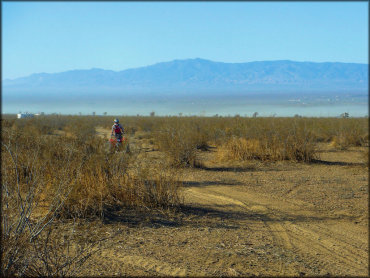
column 174, row 60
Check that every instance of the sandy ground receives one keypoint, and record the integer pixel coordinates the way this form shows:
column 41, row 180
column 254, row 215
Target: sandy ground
column 247, row 219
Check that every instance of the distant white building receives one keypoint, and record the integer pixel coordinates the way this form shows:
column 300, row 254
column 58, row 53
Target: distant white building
column 25, row 115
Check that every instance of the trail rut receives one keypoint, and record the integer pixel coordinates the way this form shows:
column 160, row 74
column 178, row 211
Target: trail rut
column 295, row 229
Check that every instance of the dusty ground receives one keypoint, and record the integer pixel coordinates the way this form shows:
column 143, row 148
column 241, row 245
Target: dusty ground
column 247, row 219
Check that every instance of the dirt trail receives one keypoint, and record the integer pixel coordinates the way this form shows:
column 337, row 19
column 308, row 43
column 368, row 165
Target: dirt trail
column 147, row 264
column 103, row 132
column 283, row 220
column 331, row 245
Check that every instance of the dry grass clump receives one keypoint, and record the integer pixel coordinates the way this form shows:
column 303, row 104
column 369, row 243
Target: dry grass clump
column 80, row 129
column 341, row 133
column 118, row 182
column 294, row 143
column 148, row 186
column 175, row 138
column 180, row 138
column 179, row 146
column 350, row 134
column 241, row 149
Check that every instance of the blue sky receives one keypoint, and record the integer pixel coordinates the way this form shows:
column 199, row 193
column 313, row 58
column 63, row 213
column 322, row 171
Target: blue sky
column 59, row 36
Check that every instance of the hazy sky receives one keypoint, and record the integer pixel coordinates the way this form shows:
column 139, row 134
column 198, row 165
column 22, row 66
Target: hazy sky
column 60, row 36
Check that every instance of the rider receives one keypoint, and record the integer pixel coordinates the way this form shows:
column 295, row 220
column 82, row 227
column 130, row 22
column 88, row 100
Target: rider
column 117, row 130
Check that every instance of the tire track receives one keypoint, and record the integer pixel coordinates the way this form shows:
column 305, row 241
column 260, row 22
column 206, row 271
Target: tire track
column 346, row 254
column 283, row 242
column 326, row 248
column 150, row 264
column 275, row 229
column 222, row 199
column 342, row 234
column 324, row 257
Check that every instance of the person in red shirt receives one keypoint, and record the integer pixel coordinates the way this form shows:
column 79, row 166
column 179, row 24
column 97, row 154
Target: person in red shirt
column 117, row 130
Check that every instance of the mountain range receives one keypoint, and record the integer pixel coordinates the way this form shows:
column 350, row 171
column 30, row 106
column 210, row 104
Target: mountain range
column 199, row 75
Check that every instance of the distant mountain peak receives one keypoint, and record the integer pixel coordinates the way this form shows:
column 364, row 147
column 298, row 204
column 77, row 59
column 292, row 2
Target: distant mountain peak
column 201, row 74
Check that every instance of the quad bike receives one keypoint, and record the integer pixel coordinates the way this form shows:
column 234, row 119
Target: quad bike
column 119, row 144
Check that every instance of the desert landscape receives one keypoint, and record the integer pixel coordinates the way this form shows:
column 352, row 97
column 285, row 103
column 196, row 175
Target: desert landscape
column 193, row 196
column 240, row 145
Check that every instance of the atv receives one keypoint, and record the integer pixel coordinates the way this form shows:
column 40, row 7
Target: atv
column 118, row 144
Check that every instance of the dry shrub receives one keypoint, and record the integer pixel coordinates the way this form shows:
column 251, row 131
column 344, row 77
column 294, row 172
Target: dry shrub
column 296, row 144
column 299, row 144
column 118, row 183
column 339, row 142
column 349, row 136
column 366, row 156
column 241, row 149
column 24, row 220
column 181, row 137
column 62, row 255
column 148, row 186
column 178, row 143
column 342, row 133
column 80, row 129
